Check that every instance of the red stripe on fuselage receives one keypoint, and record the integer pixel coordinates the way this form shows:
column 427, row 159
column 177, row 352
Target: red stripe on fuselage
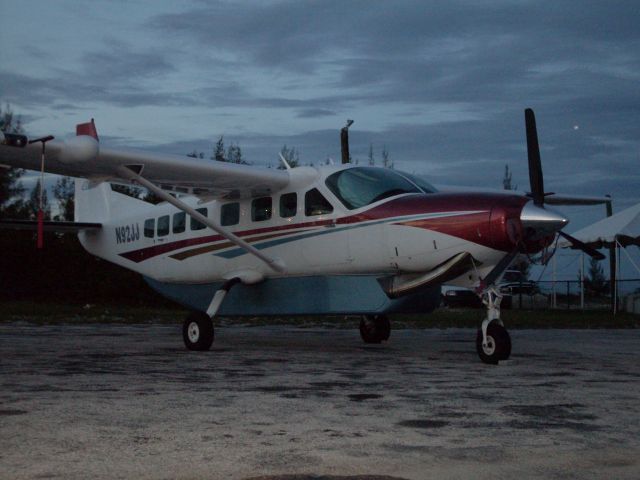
column 488, row 228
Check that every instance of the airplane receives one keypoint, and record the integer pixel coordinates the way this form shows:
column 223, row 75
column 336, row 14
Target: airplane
column 344, row 239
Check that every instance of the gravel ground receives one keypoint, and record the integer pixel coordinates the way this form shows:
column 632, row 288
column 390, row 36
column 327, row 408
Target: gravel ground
column 127, row 401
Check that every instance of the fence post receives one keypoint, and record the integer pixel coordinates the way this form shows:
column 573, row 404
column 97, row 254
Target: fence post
column 553, row 285
column 520, row 294
column 582, row 281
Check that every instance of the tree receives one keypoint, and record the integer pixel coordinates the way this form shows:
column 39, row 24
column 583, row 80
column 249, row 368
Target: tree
column 63, row 191
column 594, row 280
column 33, row 204
column 386, row 163
column 218, row 151
column 195, row 154
column 11, row 190
column 522, row 265
column 290, row 155
column 131, row 191
column 234, row 154
column 506, row 181
column 372, row 161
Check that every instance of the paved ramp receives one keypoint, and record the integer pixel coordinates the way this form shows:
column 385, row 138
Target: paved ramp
column 114, row 401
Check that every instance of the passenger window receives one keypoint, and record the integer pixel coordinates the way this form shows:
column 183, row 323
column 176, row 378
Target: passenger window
column 163, row 226
column 230, row 214
column 195, row 224
column 316, row 204
column 149, row 227
column 179, row 222
column 261, row 209
column 288, row 205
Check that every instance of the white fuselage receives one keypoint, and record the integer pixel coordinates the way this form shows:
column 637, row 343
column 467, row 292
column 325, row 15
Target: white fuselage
column 309, row 242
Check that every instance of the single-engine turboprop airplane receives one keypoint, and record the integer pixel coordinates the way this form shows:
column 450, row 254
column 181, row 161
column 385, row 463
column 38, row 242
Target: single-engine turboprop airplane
column 240, row 240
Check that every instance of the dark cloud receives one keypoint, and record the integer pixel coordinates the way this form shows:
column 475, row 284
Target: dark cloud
column 314, row 113
column 450, row 79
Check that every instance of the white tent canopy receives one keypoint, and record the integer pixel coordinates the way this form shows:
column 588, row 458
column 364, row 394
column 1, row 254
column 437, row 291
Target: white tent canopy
column 621, row 229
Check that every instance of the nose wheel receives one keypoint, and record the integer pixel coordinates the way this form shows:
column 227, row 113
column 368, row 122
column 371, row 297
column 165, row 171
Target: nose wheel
column 497, row 346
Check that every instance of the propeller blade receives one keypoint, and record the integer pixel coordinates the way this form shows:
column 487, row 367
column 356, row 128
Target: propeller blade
column 533, row 152
column 583, row 246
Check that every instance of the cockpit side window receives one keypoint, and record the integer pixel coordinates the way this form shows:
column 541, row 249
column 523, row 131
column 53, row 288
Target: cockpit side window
column 316, row 204
column 360, row 186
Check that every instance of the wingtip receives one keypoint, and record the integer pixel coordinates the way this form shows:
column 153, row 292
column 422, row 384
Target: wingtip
column 88, row 128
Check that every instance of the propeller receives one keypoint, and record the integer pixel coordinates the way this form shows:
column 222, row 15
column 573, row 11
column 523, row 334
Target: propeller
column 545, row 218
column 533, row 153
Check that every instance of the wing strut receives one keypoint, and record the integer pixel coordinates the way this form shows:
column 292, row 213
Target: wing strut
column 129, row 174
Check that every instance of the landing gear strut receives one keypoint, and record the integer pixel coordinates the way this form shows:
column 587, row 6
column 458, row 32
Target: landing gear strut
column 493, row 342
column 197, row 329
column 375, row 328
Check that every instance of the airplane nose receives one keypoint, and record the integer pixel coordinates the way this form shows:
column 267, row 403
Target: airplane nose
column 540, row 222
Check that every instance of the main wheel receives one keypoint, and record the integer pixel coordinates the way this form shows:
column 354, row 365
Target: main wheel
column 498, row 344
column 375, row 328
column 197, row 331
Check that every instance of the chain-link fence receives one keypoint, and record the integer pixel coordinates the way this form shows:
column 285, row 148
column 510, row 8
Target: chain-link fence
column 571, row 294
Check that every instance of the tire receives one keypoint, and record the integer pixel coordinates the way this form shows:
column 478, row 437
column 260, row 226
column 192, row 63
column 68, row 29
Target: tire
column 375, row 328
column 383, row 323
column 505, row 342
column 197, row 331
column 499, row 344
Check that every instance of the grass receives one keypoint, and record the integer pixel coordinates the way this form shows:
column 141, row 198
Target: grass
column 50, row 313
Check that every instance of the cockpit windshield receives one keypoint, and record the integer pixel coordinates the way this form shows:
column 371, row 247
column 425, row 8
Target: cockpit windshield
column 360, row 186
column 422, row 184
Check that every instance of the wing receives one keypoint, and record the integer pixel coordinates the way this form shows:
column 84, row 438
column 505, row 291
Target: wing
column 82, row 156
column 49, row 226
column 551, row 199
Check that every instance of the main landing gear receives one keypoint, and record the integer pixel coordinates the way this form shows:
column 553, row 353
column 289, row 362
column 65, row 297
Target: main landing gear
column 375, row 328
column 197, row 329
column 493, row 342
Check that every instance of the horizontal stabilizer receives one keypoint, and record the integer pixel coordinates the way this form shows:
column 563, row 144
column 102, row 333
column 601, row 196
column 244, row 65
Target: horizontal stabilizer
column 49, row 226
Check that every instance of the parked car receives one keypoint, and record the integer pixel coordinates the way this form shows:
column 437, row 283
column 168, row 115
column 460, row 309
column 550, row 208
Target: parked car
column 461, row 298
column 514, row 283
column 464, row 298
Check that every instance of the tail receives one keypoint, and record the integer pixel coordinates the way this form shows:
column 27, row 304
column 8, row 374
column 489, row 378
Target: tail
column 97, row 202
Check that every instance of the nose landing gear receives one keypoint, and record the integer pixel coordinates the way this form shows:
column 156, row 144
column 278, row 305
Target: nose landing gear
column 493, row 342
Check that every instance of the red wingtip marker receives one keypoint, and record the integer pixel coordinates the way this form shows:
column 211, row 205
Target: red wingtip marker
column 88, row 128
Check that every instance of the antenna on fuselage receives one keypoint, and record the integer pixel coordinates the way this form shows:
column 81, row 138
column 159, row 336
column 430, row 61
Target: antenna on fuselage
column 344, row 142
column 284, row 161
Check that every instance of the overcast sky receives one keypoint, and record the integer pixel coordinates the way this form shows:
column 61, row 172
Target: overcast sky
column 443, row 84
